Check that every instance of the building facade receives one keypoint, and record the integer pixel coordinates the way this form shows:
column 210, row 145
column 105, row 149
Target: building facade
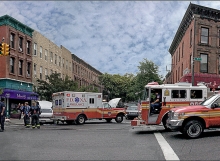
column 195, row 49
column 16, row 69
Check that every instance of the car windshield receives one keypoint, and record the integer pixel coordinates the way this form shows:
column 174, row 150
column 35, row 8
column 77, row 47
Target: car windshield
column 46, row 110
column 132, row 108
column 209, row 100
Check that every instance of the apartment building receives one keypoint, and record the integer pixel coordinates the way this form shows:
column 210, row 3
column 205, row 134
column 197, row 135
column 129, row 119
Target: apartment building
column 195, row 49
column 49, row 58
column 16, row 69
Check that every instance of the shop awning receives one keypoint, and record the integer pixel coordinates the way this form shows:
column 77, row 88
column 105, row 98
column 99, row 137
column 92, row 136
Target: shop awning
column 21, row 95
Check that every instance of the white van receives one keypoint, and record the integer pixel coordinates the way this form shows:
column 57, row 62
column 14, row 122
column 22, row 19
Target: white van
column 46, row 112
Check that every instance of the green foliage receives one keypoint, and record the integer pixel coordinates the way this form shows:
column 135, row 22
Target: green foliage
column 54, row 83
column 130, row 87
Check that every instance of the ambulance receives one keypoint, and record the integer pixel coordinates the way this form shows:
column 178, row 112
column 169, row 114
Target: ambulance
column 173, row 95
column 77, row 107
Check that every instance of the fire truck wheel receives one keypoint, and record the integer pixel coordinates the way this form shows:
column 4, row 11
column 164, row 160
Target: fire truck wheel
column 81, row 119
column 108, row 120
column 164, row 121
column 119, row 118
column 193, row 129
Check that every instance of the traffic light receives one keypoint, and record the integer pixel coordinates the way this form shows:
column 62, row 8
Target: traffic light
column 7, row 50
column 2, row 49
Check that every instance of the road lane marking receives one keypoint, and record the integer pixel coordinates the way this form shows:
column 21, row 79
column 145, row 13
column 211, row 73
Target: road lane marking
column 168, row 152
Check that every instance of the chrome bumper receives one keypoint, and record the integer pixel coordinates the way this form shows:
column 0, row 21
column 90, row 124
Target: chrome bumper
column 175, row 125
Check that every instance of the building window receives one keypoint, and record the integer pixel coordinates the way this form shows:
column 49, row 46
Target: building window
column 28, row 69
column 35, row 49
column 59, row 61
column 28, row 47
column 40, row 51
column 12, row 40
column 12, row 65
column 20, row 67
column 35, row 70
column 51, row 71
column 70, row 66
column 46, row 73
column 55, row 58
column 205, row 35
column 190, row 38
column 41, row 72
column 66, row 64
column 46, row 55
column 51, row 57
column 20, row 44
column 63, row 62
column 204, row 63
column 182, row 48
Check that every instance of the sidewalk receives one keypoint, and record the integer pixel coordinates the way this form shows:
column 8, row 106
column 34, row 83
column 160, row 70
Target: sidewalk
column 14, row 121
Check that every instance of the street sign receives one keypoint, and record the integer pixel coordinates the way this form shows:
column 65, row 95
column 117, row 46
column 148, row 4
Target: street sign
column 197, row 59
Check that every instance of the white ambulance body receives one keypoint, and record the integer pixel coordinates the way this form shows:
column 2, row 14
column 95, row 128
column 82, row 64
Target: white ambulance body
column 71, row 107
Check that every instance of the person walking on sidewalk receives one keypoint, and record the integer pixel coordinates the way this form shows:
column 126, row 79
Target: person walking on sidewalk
column 35, row 111
column 2, row 114
column 26, row 112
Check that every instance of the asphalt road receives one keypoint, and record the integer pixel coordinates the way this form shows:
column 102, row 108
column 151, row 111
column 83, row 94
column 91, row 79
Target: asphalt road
column 98, row 140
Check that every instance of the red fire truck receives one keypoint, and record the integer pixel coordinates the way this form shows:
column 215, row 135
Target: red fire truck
column 173, row 95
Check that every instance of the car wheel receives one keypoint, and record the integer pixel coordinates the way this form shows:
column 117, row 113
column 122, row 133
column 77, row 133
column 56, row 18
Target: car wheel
column 81, row 119
column 119, row 118
column 193, row 129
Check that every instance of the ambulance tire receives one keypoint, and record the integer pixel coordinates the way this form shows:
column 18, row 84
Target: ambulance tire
column 193, row 129
column 119, row 118
column 108, row 120
column 80, row 119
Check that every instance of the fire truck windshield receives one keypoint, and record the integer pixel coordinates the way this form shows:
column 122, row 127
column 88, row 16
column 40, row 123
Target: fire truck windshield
column 145, row 94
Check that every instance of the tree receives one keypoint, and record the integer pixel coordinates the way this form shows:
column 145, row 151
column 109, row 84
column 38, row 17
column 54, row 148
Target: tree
column 54, row 83
column 148, row 72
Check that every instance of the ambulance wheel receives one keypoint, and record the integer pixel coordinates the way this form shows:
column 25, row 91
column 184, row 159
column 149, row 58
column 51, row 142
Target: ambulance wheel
column 108, row 120
column 193, row 129
column 119, row 118
column 81, row 119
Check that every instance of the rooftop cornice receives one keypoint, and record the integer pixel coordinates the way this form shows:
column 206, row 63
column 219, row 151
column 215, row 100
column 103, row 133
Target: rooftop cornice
column 10, row 21
column 193, row 9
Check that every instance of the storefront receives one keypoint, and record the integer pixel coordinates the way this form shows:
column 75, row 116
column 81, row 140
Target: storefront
column 14, row 97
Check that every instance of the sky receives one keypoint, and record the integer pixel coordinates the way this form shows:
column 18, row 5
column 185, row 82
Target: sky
column 112, row 36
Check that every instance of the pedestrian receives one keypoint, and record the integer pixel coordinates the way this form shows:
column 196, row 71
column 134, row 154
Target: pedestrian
column 35, row 111
column 3, row 114
column 26, row 113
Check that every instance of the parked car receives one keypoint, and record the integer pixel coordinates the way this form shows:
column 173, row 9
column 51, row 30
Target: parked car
column 46, row 112
column 132, row 112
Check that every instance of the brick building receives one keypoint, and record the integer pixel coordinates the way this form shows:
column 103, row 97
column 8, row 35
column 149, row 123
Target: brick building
column 16, row 69
column 195, row 49
column 49, row 58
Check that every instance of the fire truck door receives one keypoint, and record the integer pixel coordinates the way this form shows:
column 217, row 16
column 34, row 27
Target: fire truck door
column 155, row 105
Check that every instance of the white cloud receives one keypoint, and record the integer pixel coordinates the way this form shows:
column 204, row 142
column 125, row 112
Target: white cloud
column 112, row 36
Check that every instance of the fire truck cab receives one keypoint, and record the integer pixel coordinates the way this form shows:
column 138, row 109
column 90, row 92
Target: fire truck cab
column 172, row 95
